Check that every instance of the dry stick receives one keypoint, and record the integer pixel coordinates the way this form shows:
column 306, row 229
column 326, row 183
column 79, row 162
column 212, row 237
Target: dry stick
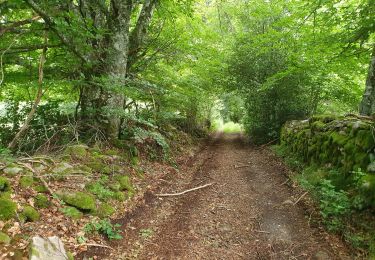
column 37, row 100
column 241, row 166
column 39, row 177
column 264, row 145
column 97, row 245
column 183, row 192
column 303, row 195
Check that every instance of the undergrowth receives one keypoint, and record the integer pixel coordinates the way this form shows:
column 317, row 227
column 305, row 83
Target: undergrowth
column 342, row 205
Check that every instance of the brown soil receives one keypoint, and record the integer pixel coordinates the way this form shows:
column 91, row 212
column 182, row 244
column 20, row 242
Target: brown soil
column 249, row 212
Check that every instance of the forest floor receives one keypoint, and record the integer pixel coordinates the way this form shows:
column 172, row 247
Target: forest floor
column 249, row 212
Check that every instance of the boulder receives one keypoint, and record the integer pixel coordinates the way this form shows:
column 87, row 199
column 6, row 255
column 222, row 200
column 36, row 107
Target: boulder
column 47, row 249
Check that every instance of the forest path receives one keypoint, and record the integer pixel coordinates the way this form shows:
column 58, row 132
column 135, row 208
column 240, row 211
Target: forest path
column 248, row 213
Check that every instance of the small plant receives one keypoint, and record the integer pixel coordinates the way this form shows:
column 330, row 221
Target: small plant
column 104, row 227
column 146, row 233
column 334, row 205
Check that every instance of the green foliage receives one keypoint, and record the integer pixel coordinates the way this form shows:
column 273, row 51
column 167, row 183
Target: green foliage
column 334, row 205
column 29, row 214
column 7, row 208
column 98, row 189
column 104, row 227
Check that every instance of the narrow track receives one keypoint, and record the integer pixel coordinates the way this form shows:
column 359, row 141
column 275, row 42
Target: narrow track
column 246, row 214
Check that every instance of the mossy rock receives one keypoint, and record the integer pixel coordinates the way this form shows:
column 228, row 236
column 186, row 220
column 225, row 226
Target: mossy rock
column 125, row 183
column 105, row 210
column 72, row 212
column 323, row 118
column 81, row 200
column 4, row 184
column 13, row 170
column 339, row 139
column 41, row 189
column 26, row 181
column 96, row 165
column 112, row 152
column 6, row 195
column 4, row 238
column 115, row 186
column 29, row 214
column 78, row 151
column 120, row 196
column 42, row 201
column 63, row 168
column 7, row 209
column 365, row 140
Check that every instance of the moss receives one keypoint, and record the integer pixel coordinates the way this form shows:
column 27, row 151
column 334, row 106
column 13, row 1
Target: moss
column 77, row 151
column 41, row 201
column 6, row 195
column 29, row 214
column 4, row 184
column 70, row 255
column 111, row 152
column 120, row 196
column 323, row 118
column 318, row 125
column 115, row 186
column 4, row 238
column 26, row 181
column 7, row 209
column 81, row 200
column 125, row 183
column 339, row 139
column 365, row 140
column 72, row 212
column 41, row 188
column 98, row 166
column 105, row 210
column 106, row 170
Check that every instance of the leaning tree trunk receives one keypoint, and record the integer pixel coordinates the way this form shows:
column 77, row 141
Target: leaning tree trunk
column 367, row 106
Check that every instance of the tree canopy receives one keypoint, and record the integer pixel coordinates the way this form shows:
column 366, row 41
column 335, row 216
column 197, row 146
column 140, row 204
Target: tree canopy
column 100, row 68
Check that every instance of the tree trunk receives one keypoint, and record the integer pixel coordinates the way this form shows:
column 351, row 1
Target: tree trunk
column 117, row 59
column 367, row 106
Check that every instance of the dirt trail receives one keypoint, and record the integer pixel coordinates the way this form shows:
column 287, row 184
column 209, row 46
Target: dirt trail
column 247, row 214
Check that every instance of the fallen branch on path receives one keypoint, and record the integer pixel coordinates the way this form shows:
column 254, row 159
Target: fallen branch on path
column 241, row 166
column 97, row 245
column 183, row 192
column 303, row 195
column 261, row 231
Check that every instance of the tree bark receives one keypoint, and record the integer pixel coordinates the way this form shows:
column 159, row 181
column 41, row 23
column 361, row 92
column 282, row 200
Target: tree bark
column 367, row 106
column 117, row 59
